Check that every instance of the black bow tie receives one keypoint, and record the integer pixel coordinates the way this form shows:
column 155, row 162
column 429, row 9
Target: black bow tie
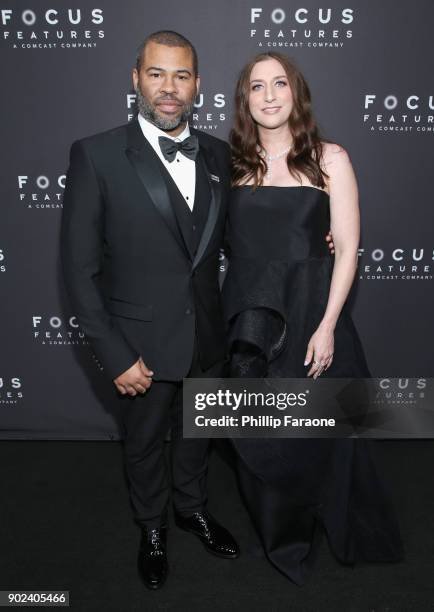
column 169, row 148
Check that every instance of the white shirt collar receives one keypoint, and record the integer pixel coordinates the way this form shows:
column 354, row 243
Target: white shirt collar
column 152, row 132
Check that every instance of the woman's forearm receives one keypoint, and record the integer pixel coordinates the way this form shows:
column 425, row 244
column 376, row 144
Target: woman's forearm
column 344, row 270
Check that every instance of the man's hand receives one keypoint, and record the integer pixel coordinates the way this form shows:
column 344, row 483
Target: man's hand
column 329, row 239
column 135, row 380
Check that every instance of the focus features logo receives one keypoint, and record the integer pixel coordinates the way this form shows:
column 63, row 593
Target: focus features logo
column 54, row 331
column 315, row 28
column 2, row 261
column 131, row 106
column 400, row 390
column 207, row 114
column 11, row 390
column 391, row 113
column 52, row 28
column 396, row 264
column 223, row 262
column 41, row 192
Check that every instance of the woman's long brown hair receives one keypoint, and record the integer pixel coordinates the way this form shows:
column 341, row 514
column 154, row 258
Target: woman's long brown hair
column 305, row 155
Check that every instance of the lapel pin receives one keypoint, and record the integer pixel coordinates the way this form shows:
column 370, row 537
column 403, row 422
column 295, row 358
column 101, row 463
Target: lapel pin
column 215, row 178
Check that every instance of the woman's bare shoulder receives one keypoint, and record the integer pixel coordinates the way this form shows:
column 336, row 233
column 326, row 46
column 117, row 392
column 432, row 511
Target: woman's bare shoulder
column 333, row 153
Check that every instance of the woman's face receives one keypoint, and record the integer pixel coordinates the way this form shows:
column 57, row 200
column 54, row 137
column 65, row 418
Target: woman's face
column 270, row 96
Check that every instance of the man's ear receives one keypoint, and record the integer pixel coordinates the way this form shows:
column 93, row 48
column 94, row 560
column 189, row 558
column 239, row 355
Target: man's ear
column 135, row 78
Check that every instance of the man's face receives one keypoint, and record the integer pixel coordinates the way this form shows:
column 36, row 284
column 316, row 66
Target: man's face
column 166, row 86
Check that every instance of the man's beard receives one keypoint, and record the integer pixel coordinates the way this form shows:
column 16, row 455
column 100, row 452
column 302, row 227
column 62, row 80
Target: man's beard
column 148, row 111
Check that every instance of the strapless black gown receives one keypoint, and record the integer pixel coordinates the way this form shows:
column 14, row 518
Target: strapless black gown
column 274, row 295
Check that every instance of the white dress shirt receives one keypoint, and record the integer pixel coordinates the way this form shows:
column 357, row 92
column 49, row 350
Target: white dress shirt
column 181, row 169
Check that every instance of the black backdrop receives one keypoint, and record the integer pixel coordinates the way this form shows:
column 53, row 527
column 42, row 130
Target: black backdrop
column 66, row 73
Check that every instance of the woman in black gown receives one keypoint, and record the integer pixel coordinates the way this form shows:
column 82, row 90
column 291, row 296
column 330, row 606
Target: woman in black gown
column 285, row 300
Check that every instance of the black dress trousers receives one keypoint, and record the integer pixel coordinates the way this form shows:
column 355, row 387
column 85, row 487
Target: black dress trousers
column 146, row 420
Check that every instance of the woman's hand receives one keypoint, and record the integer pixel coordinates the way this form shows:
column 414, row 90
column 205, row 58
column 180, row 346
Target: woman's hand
column 320, row 350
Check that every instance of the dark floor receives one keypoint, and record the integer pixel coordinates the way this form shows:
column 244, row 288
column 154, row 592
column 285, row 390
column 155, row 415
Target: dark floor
column 66, row 524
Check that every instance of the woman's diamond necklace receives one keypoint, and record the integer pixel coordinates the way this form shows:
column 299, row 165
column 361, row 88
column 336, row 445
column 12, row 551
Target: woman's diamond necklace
column 271, row 158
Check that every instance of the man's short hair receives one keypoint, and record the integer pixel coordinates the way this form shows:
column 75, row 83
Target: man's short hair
column 170, row 39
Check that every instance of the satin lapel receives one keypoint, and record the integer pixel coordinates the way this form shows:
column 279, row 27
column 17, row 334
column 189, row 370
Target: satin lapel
column 214, row 207
column 144, row 160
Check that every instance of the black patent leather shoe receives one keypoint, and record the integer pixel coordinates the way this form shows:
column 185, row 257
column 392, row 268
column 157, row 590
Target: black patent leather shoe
column 152, row 558
column 216, row 539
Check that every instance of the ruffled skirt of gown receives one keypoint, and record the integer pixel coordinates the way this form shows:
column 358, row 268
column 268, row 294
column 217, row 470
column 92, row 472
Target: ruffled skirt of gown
column 295, row 489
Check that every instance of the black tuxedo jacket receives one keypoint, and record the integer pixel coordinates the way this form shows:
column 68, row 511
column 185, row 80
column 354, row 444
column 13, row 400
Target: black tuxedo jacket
column 134, row 286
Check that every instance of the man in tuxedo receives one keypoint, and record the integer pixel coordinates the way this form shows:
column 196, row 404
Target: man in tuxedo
column 142, row 225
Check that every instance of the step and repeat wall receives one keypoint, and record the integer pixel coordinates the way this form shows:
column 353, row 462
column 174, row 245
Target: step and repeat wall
column 66, row 73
